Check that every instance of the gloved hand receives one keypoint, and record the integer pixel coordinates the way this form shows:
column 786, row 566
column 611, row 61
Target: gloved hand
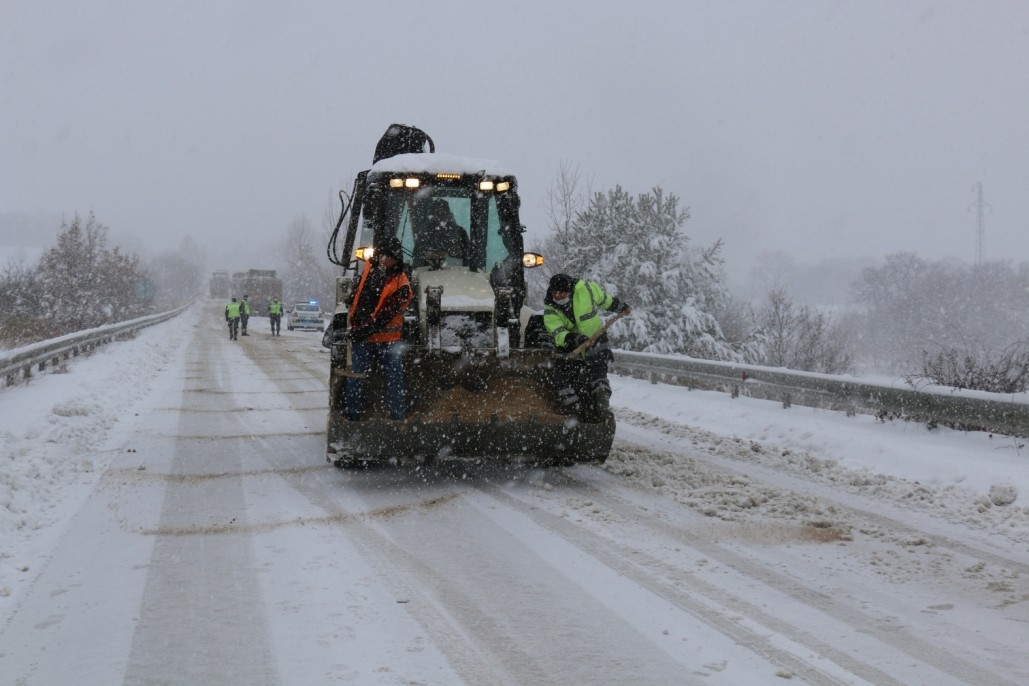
column 359, row 334
column 574, row 340
column 619, row 306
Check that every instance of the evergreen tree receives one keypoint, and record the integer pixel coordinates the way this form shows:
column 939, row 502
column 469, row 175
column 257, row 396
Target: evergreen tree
column 636, row 248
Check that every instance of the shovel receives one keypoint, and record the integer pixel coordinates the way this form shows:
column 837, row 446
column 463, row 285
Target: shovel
column 347, row 371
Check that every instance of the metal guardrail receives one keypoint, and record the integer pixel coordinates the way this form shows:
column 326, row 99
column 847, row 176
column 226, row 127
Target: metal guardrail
column 20, row 362
column 973, row 410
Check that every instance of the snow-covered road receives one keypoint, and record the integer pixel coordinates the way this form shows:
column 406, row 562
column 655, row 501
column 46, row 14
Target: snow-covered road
column 208, row 542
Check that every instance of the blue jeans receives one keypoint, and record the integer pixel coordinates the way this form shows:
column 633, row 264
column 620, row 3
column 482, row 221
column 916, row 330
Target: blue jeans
column 391, row 361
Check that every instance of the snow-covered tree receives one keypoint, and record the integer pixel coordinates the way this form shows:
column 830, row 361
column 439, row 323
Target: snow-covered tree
column 83, row 284
column 737, row 320
column 21, row 316
column 636, row 248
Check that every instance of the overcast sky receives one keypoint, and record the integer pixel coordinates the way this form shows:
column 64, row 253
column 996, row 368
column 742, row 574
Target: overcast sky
column 818, row 128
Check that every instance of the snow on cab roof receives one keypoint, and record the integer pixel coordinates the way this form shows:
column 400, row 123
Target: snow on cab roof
column 439, row 163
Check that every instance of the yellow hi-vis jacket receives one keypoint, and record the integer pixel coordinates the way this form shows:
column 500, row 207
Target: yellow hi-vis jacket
column 588, row 299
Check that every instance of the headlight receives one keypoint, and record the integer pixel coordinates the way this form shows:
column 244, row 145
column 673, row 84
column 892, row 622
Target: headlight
column 531, row 259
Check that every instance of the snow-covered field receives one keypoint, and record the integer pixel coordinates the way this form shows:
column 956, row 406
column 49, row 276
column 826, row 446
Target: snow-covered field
column 725, row 541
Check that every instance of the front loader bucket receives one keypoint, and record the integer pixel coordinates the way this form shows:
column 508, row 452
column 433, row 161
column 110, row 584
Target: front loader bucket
column 491, row 412
column 464, row 407
column 546, row 440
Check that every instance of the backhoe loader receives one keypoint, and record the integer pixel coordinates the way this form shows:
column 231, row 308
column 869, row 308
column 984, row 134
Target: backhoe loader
column 478, row 365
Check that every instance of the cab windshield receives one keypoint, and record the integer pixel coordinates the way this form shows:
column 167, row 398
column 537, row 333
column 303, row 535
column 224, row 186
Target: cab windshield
column 459, row 225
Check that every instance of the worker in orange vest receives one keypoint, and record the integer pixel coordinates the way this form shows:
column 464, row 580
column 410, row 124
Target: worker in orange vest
column 376, row 321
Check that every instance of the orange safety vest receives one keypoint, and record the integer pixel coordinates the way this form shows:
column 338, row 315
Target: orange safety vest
column 395, row 327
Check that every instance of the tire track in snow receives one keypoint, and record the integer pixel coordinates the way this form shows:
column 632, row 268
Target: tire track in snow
column 893, row 636
column 717, row 609
column 459, row 580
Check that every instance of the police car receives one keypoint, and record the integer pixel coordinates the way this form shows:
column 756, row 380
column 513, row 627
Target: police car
column 305, row 316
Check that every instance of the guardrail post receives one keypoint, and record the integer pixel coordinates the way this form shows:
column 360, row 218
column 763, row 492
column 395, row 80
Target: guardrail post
column 786, row 401
column 735, row 391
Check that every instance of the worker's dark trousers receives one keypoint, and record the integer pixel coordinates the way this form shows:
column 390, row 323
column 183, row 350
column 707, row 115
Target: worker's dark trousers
column 573, row 377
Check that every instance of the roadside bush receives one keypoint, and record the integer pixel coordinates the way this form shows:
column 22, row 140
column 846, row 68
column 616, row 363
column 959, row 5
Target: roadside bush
column 1003, row 372
column 20, row 330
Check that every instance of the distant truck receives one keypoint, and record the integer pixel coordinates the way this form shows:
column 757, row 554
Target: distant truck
column 220, row 285
column 261, row 285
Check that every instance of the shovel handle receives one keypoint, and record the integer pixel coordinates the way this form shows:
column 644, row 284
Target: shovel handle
column 593, row 339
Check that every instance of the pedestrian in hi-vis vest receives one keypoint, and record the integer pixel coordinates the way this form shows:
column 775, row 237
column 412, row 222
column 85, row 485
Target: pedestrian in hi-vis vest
column 244, row 313
column 275, row 315
column 232, row 319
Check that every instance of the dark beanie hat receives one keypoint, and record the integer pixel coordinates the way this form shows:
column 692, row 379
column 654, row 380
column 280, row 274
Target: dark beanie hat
column 391, row 246
column 561, row 283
